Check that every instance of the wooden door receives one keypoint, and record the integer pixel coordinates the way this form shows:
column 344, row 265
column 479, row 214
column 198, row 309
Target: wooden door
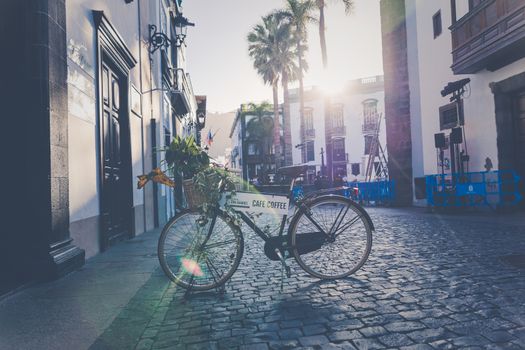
column 114, row 188
column 519, row 137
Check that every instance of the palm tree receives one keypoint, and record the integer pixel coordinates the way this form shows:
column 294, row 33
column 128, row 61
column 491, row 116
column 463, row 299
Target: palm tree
column 298, row 13
column 270, row 46
column 263, row 49
column 289, row 73
column 349, row 6
column 260, row 129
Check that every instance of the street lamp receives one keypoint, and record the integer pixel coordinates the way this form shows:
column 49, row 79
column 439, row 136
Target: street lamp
column 201, row 119
column 181, row 28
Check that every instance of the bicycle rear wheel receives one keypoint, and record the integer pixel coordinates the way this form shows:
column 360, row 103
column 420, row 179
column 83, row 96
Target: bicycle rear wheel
column 343, row 249
column 199, row 255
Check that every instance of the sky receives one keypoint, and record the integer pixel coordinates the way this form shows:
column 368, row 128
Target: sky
column 217, row 49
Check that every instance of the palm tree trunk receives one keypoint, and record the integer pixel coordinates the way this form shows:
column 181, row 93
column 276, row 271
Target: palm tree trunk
column 287, row 132
column 322, row 38
column 262, row 149
column 301, row 102
column 276, row 125
column 263, row 172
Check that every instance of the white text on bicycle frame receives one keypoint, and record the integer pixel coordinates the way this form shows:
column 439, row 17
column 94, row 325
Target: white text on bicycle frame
column 257, row 203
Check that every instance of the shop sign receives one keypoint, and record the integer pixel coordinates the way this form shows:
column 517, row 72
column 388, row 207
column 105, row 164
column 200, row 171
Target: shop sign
column 256, row 203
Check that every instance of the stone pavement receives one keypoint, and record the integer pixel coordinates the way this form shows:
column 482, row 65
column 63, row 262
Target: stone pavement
column 432, row 281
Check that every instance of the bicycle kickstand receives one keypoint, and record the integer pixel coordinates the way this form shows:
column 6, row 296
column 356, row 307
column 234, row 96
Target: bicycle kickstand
column 284, row 267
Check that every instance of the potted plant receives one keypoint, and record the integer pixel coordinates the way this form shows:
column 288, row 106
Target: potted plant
column 211, row 184
column 185, row 158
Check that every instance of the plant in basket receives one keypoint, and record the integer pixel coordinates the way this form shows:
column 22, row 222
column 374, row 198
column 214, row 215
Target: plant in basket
column 184, row 158
column 211, row 184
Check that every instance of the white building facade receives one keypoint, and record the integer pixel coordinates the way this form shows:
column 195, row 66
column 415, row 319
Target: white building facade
column 448, row 41
column 158, row 102
column 97, row 87
column 342, row 143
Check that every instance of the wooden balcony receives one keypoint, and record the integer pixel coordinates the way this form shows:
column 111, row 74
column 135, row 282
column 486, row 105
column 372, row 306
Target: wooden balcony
column 490, row 36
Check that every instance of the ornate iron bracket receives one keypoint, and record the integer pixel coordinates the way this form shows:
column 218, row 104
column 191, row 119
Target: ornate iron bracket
column 157, row 40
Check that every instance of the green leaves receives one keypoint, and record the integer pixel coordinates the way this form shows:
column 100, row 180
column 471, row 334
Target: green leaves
column 185, row 157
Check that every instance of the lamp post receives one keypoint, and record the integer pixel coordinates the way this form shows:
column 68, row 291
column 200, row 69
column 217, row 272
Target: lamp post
column 322, row 161
column 181, row 28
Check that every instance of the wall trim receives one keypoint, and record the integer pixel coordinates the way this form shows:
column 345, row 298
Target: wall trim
column 112, row 48
column 113, row 43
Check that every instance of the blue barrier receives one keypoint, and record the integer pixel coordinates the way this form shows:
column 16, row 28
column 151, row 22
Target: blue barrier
column 488, row 188
column 375, row 192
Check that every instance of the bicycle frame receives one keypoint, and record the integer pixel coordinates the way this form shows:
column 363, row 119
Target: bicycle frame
column 256, row 228
column 301, row 208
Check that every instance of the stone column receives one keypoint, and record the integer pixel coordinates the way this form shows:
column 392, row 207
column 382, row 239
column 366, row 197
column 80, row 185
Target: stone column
column 47, row 123
column 397, row 98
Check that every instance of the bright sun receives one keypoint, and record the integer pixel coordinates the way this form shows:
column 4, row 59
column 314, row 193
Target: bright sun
column 330, row 82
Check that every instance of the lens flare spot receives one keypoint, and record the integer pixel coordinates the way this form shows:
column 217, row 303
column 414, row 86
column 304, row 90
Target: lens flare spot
column 192, row 267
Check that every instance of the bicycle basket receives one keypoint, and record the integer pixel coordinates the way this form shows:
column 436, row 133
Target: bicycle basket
column 193, row 197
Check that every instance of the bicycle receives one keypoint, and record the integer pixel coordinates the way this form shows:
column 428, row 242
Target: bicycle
column 330, row 237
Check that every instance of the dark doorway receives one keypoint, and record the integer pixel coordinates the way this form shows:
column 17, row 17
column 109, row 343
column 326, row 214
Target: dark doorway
column 509, row 99
column 519, row 138
column 116, row 158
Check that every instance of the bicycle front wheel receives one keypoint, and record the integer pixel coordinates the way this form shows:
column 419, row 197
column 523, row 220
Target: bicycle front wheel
column 200, row 254
column 340, row 232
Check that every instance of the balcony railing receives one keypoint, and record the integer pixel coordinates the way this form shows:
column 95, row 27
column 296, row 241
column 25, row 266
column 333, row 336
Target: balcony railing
column 490, row 36
column 340, row 157
column 337, row 131
column 310, row 133
column 370, row 127
column 259, row 159
column 183, row 91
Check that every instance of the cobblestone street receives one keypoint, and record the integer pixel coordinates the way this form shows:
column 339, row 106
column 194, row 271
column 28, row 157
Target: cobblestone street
column 432, row 281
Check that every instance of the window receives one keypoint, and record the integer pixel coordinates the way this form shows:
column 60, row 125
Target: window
column 368, row 144
column 310, row 151
column 339, row 150
column 252, row 149
column 370, row 111
column 436, row 22
column 308, row 119
column 473, row 3
column 337, row 116
column 167, row 137
column 356, row 169
column 453, row 11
